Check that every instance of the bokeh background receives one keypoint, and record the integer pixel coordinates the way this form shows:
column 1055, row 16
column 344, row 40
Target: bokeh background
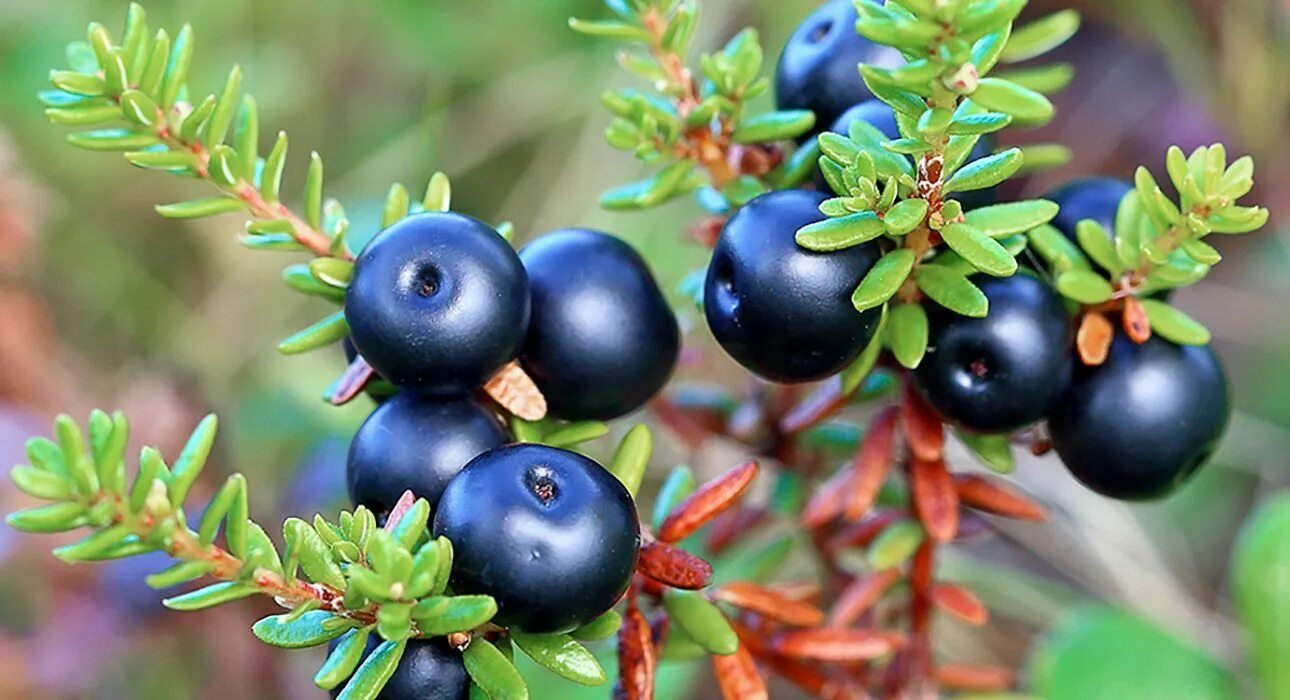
column 103, row 303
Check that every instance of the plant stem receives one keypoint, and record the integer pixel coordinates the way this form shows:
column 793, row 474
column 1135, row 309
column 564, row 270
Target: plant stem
column 710, row 150
column 183, row 544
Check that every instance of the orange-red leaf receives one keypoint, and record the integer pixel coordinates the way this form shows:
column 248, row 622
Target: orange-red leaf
column 985, row 494
column 828, row 501
column 738, row 677
column 923, row 428
column 826, row 400
column 872, row 462
column 860, row 596
column 1136, row 324
column 707, row 503
column 974, row 678
column 935, row 500
column 863, row 533
column 961, row 603
column 352, row 382
column 673, row 566
column 835, row 644
column 1093, row 340
column 636, row 658
column 770, row 603
column 692, row 427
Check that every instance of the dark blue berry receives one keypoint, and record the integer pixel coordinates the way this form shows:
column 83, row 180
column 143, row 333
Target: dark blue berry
column 428, row 670
column 818, row 67
column 419, row 443
column 1138, row 425
column 780, row 310
column 998, row 373
column 548, row 533
column 602, row 339
column 438, row 303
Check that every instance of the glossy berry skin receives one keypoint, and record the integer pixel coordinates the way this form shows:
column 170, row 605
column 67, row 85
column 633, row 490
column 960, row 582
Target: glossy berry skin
column 416, row 442
column 780, row 310
column 1095, row 198
column 602, row 339
column 1144, row 421
column 550, row 534
column 817, row 69
column 998, row 373
column 438, row 303
column 428, row 670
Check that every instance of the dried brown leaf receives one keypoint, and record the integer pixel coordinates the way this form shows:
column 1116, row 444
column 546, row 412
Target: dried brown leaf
column 1136, row 324
column 513, row 389
column 636, row 656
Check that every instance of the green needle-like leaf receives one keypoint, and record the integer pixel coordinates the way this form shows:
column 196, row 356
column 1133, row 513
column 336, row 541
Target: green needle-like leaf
column 952, row 290
column 905, row 216
column 679, row 484
column 198, row 208
column 210, row 596
column 632, row 456
column 774, row 126
column 1041, row 36
column 371, row 677
column 895, row 545
column 701, row 621
column 841, row 232
column 1010, row 98
column 884, row 279
column 1174, row 325
column 1084, row 286
column 986, row 172
column 560, row 654
column 907, row 334
column 325, row 332
column 981, row 251
column 343, row 660
column 301, row 632
column 999, row 220
column 493, row 672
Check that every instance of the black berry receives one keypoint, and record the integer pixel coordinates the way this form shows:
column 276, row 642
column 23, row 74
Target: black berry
column 419, row 443
column 780, row 310
column 550, row 534
column 428, row 670
column 1139, row 424
column 998, row 373
column 817, row 70
column 438, row 303
column 602, row 339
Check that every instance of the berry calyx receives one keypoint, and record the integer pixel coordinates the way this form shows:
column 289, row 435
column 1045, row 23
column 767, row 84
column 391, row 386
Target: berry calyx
column 997, row 373
column 418, row 443
column 817, row 69
column 602, row 339
column 438, row 303
column 548, row 533
column 1142, row 422
column 780, row 310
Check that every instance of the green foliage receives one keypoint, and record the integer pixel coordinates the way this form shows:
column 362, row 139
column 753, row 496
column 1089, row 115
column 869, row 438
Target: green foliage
column 344, row 579
column 1104, row 653
column 894, row 191
column 686, row 128
column 1260, row 565
column 1157, row 243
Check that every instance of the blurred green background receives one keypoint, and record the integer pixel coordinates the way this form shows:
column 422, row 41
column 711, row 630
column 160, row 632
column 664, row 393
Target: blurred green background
column 103, row 303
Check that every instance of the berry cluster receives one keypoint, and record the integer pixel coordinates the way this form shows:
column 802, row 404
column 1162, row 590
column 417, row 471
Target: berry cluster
column 1134, row 424
column 872, row 250
column 438, row 304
